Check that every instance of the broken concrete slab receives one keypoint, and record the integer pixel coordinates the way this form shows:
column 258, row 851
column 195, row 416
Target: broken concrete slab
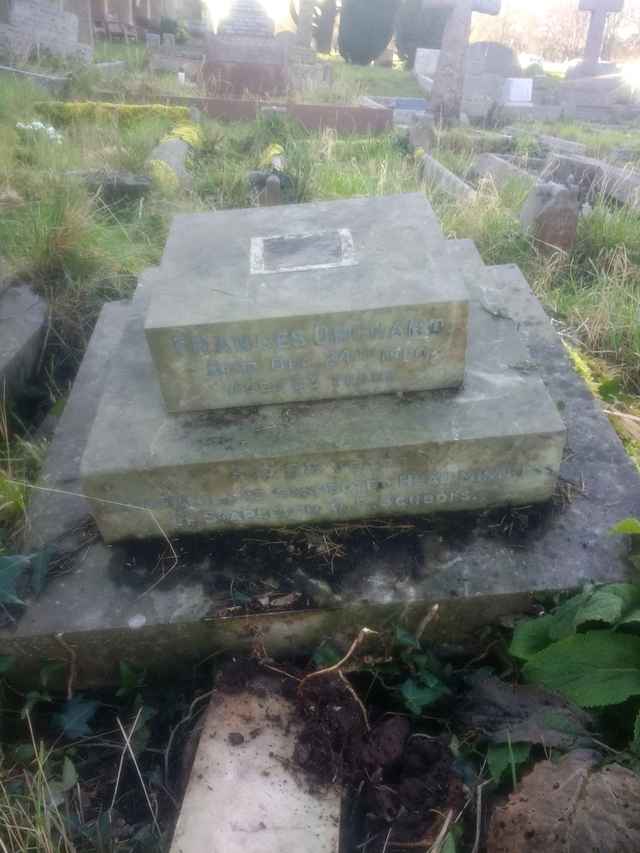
column 434, row 173
column 247, row 745
column 106, row 610
column 23, row 322
column 498, row 170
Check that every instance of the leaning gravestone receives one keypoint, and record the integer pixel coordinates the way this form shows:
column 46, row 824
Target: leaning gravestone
column 213, row 425
column 447, row 92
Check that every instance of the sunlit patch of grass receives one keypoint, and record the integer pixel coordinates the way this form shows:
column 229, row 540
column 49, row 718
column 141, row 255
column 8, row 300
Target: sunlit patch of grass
column 374, row 80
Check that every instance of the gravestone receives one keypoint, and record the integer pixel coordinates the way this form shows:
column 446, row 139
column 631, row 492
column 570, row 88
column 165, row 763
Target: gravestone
column 244, row 57
column 276, row 354
column 28, row 26
column 335, row 300
column 447, row 92
column 550, row 214
column 247, row 18
column 599, row 10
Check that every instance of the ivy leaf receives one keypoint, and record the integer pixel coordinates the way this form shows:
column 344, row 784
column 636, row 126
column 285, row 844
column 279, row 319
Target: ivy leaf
column 418, row 696
column 74, row 719
column 39, row 570
column 449, row 844
column 404, row 638
column 6, row 663
column 593, row 669
column 530, row 637
column 326, row 655
column 503, row 756
column 10, row 570
column 131, row 679
column 627, row 527
column 635, row 743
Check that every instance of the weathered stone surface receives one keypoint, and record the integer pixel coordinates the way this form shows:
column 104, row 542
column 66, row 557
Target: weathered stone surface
column 446, row 95
column 550, row 214
column 562, row 146
column 498, row 441
column 53, row 518
column 498, row 170
column 594, row 177
column 23, row 320
column 174, row 153
column 247, row 745
column 114, row 186
column 106, row 614
column 595, row 37
column 328, row 300
column 435, row 173
column 34, row 25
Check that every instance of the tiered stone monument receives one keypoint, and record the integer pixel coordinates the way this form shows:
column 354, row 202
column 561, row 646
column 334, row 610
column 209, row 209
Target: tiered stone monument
column 337, row 361
column 244, row 57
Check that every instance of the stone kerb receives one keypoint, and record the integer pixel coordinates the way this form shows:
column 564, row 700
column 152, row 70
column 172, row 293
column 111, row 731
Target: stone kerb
column 432, row 171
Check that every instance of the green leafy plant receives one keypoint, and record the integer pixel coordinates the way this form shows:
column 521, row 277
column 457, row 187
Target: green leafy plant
column 425, row 684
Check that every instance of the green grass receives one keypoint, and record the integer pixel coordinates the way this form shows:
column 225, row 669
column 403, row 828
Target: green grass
column 599, row 141
column 133, row 53
column 374, row 80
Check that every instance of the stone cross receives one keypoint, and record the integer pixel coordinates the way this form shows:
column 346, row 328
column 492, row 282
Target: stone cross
column 599, row 10
column 446, row 95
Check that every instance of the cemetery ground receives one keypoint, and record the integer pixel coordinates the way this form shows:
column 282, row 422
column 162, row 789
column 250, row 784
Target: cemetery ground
column 452, row 729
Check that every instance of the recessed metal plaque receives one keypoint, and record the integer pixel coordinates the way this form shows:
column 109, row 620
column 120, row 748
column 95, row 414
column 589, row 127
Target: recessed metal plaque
column 318, row 250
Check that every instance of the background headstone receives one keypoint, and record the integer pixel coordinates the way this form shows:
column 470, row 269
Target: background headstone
column 447, row 92
column 550, row 214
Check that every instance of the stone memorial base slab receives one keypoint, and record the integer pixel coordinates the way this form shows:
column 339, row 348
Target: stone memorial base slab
column 247, row 745
column 316, row 301
column 105, row 612
column 496, row 442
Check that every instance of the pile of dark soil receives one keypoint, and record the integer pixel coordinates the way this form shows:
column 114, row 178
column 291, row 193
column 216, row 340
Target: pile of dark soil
column 403, row 783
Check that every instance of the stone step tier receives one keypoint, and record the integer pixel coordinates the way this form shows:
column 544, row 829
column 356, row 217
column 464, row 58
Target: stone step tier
column 497, row 441
column 308, row 302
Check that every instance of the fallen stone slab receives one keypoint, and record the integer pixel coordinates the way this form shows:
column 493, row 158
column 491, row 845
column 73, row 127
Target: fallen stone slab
column 173, row 154
column 107, row 611
column 246, row 749
column 433, row 172
column 23, row 322
column 54, row 84
column 500, row 171
column 114, row 186
column 595, row 177
column 562, row 146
